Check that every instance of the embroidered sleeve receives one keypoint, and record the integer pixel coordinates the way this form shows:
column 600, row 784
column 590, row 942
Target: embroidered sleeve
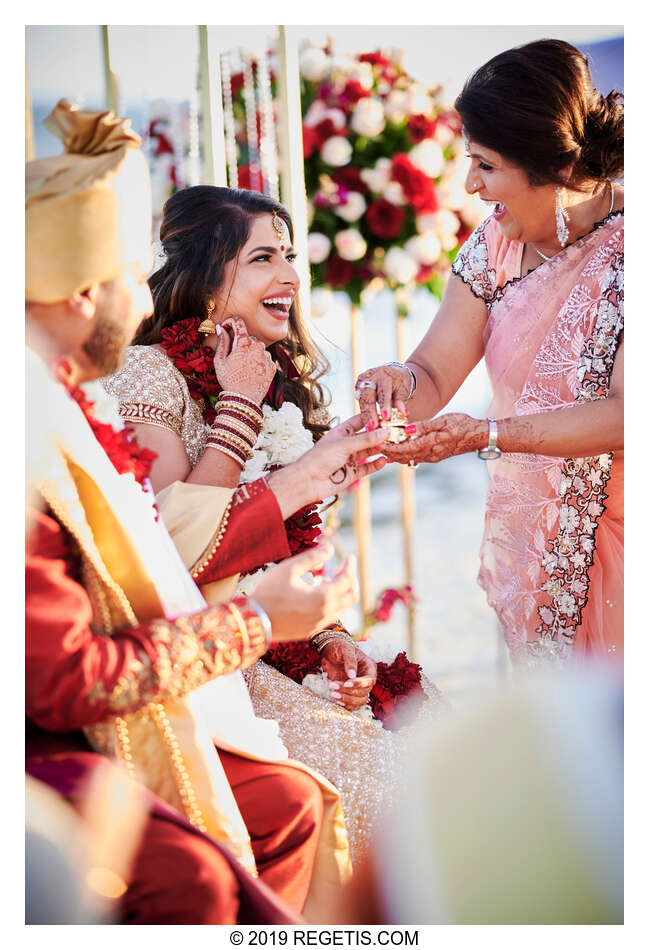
column 472, row 264
column 250, row 535
column 76, row 677
column 147, row 389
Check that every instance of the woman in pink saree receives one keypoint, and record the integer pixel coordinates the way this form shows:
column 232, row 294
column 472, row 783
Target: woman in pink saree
column 538, row 291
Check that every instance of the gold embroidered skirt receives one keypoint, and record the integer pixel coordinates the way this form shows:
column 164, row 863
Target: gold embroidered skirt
column 362, row 759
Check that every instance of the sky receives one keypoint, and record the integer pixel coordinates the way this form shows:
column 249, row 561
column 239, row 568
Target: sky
column 159, row 61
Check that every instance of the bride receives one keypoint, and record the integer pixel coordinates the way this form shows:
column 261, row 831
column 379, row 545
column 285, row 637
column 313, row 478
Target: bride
column 222, row 383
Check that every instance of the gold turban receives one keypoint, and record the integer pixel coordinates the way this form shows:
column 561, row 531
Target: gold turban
column 88, row 210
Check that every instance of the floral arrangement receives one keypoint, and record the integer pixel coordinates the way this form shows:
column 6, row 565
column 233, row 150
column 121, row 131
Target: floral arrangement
column 384, row 171
column 394, row 699
column 386, row 602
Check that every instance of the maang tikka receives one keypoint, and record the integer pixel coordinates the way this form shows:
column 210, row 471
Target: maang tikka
column 208, row 326
column 282, row 231
column 561, row 217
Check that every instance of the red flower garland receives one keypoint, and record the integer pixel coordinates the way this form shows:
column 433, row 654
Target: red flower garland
column 120, row 445
column 189, row 354
column 395, row 697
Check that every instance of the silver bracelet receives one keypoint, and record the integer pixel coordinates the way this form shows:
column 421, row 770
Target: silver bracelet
column 264, row 618
column 413, row 379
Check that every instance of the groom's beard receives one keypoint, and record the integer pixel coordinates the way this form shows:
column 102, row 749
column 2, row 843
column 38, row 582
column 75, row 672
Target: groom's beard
column 106, row 345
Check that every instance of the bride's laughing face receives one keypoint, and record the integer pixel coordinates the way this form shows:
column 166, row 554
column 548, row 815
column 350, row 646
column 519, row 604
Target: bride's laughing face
column 260, row 284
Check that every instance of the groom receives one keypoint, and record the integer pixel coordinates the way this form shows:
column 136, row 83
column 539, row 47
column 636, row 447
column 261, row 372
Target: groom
column 100, row 645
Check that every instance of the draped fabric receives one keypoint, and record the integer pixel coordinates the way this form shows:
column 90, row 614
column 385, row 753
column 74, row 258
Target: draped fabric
column 552, row 549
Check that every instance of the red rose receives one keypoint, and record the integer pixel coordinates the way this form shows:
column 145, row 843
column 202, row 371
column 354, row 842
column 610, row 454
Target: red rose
column 353, row 91
column 384, row 219
column 418, row 187
column 375, row 59
column 421, row 128
column 338, row 272
column 425, row 273
column 236, row 83
column 349, row 177
column 295, row 659
column 303, row 529
column 309, row 141
column 325, row 129
column 243, row 177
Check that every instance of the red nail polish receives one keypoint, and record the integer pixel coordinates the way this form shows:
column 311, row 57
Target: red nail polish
column 410, row 428
column 371, row 425
column 384, row 413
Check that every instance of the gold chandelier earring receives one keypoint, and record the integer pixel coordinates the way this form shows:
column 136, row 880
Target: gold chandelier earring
column 208, row 326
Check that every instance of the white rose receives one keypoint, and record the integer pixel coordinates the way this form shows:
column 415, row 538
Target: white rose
column 397, row 105
column 368, row 117
column 420, row 102
column 377, row 178
column 444, row 136
column 353, row 207
column 428, row 157
column 319, row 246
column 350, row 244
column 336, row 151
column 283, row 436
column 321, row 301
column 394, row 193
column 441, row 222
column 425, row 248
column 315, row 113
column 314, row 64
column 400, row 266
column 363, row 73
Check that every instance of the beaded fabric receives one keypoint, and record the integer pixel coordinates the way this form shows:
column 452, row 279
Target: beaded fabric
column 365, row 762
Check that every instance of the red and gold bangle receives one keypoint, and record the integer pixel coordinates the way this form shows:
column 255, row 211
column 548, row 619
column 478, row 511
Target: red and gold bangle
column 240, row 417
column 235, row 424
column 226, row 396
column 227, row 449
column 238, row 407
column 238, row 433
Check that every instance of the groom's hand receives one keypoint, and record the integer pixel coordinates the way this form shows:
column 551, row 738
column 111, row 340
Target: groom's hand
column 351, row 673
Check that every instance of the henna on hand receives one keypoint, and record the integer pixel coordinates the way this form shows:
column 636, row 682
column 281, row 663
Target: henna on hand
column 436, row 439
column 392, row 388
column 248, row 368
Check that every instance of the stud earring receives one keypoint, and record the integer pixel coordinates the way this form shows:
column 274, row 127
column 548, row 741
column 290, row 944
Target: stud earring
column 562, row 217
column 208, row 326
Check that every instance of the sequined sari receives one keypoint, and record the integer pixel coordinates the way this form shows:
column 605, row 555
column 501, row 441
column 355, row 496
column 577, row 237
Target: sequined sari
column 552, row 550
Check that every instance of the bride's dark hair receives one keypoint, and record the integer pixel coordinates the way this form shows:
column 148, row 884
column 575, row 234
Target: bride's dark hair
column 203, row 228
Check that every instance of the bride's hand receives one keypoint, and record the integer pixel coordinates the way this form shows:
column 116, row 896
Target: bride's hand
column 351, row 672
column 340, row 458
column 388, row 386
column 436, row 439
column 246, row 367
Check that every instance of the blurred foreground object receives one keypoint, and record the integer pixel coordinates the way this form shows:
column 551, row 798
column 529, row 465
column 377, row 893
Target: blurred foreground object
column 514, row 815
column 77, row 866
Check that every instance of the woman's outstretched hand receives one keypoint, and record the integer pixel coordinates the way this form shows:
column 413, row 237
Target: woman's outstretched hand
column 340, row 458
column 297, row 609
column 388, row 386
column 435, row 439
column 241, row 362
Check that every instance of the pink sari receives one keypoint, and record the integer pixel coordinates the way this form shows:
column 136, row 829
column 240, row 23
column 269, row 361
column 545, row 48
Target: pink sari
column 552, row 550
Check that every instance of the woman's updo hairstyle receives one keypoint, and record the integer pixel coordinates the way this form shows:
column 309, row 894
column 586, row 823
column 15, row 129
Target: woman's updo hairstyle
column 202, row 229
column 536, row 106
